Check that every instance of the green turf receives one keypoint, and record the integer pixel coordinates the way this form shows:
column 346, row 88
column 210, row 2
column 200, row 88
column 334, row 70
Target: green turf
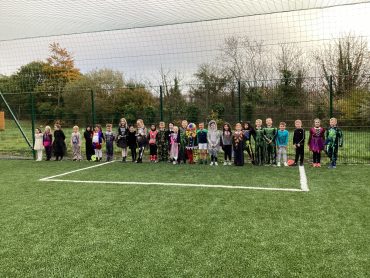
column 102, row 230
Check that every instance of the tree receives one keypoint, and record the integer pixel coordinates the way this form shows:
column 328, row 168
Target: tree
column 347, row 60
column 60, row 68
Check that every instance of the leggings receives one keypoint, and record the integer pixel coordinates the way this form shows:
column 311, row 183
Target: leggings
column 227, row 152
column 316, row 157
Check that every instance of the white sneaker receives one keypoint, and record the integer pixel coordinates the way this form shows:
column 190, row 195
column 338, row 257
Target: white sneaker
column 211, row 164
column 174, row 163
column 285, row 164
column 225, row 163
column 278, row 164
column 215, row 163
column 230, row 163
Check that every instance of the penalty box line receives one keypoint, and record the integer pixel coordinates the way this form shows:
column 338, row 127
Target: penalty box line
column 303, row 182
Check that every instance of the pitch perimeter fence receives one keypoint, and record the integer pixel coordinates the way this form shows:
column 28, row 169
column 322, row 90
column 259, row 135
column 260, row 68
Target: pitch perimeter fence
column 227, row 101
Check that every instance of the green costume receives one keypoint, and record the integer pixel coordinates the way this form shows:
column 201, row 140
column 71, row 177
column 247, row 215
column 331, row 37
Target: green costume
column 270, row 134
column 162, row 143
column 334, row 139
column 260, row 148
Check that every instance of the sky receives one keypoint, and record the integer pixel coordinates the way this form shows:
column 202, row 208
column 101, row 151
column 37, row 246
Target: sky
column 183, row 35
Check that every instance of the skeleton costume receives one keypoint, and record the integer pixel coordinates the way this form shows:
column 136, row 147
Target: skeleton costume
column 141, row 135
column 334, row 139
column 109, row 142
column 260, row 147
column 213, row 141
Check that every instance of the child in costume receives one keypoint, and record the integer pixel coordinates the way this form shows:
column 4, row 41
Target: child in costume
column 298, row 142
column 191, row 141
column 282, row 138
column 170, row 131
column 175, row 142
column 131, row 142
column 152, row 137
column 259, row 140
column 76, row 144
column 38, row 147
column 141, row 135
column 226, row 141
column 182, row 150
column 316, row 142
column 97, row 141
column 202, row 143
column 88, row 134
column 238, row 145
column 270, row 133
column 213, row 141
column 59, row 145
column 110, row 138
column 162, row 142
column 334, row 139
column 122, row 138
column 47, row 142
column 248, row 131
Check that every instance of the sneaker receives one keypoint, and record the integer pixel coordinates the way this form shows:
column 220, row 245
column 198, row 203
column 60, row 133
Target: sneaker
column 230, row 163
column 314, row 165
column 301, row 164
column 330, row 166
column 225, row 163
column 211, row 164
column 215, row 163
column 285, row 164
column 318, row 165
column 174, row 162
column 278, row 164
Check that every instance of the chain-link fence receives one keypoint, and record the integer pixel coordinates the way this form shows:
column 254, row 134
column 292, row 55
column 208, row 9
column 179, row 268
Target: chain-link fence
column 284, row 99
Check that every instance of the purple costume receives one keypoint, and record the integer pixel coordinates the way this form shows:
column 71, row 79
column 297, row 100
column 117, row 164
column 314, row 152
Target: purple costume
column 316, row 140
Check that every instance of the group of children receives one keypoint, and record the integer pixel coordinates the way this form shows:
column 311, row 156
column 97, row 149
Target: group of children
column 187, row 143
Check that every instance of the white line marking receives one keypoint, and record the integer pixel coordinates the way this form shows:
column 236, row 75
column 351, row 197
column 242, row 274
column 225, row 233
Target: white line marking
column 180, row 184
column 303, row 179
column 74, row 171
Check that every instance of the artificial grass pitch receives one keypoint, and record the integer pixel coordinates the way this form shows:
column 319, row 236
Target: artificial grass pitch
column 98, row 230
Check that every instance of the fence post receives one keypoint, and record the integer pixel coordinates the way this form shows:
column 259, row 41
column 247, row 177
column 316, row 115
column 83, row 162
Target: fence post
column 330, row 96
column 161, row 102
column 239, row 102
column 93, row 108
column 33, row 123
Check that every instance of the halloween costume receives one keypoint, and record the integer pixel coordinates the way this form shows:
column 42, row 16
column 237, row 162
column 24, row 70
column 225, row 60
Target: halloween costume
column 270, row 134
column 334, row 139
column 298, row 140
column 260, row 146
column 191, row 141
column 182, row 150
column 88, row 144
column 153, row 144
column 97, row 141
column 248, row 134
column 316, row 143
column 38, row 147
column 122, row 140
column 174, row 150
column 162, row 144
column 59, row 145
column 47, row 142
column 226, row 140
column 238, row 147
column 213, row 141
column 132, row 144
column 76, row 146
column 141, row 136
column 109, row 143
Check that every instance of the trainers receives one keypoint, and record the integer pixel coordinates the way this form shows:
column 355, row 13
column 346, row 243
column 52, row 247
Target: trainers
column 174, row 162
column 215, row 163
column 225, row 163
column 301, row 164
column 278, row 164
column 211, row 164
column 318, row 165
column 285, row 164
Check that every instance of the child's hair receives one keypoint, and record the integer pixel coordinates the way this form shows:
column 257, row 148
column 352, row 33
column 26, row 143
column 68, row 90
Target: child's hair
column 268, row 118
column 201, row 123
column 108, row 125
column 153, row 125
column 298, row 121
column 140, row 121
column 57, row 126
column 238, row 124
column 131, row 126
column 76, row 127
column 223, row 127
column 39, row 130
column 259, row 121
column 47, row 128
column 175, row 128
column 247, row 123
column 282, row 123
column 123, row 120
column 162, row 123
column 317, row 119
column 334, row 119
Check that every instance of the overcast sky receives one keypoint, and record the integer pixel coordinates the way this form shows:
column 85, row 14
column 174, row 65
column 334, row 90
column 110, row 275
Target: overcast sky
column 140, row 52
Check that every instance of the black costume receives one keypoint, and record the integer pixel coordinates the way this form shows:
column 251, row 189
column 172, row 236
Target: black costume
column 238, row 147
column 88, row 144
column 298, row 141
column 131, row 143
column 59, row 145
